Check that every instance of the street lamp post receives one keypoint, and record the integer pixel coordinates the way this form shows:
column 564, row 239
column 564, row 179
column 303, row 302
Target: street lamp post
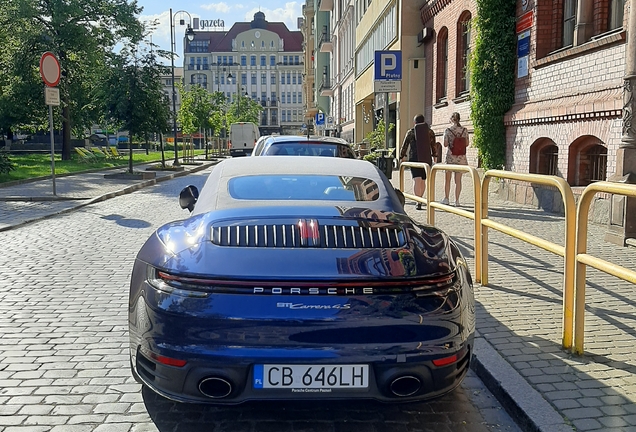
column 190, row 36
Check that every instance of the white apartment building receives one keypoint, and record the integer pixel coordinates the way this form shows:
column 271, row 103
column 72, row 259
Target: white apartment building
column 261, row 59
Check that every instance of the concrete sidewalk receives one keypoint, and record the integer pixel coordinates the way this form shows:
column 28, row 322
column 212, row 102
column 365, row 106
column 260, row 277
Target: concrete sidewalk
column 518, row 350
column 33, row 200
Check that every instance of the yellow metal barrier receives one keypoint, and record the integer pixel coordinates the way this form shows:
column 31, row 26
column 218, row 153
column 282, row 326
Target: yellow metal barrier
column 566, row 251
column 582, row 258
column 431, row 204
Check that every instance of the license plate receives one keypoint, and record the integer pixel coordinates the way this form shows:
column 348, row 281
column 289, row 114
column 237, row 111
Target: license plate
column 311, row 376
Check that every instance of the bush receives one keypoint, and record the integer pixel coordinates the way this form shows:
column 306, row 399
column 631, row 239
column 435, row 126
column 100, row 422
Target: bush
column 371, row 157
column 5, row 163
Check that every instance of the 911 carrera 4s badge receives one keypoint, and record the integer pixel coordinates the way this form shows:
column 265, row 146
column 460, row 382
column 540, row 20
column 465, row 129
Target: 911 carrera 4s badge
column 300, row 306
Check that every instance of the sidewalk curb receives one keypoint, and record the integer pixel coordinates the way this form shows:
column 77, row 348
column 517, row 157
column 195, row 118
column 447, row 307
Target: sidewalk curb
column 524, row 404
column 124, row 191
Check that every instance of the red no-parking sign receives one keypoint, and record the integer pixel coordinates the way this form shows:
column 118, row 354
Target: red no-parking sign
column 50, row 69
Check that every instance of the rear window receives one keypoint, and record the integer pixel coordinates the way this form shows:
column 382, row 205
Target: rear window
column 303, row 187
column 310, row 149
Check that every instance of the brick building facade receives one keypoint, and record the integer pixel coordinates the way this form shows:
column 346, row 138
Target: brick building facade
column 567, row 116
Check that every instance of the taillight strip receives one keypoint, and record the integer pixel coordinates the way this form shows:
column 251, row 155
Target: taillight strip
column 405, row 283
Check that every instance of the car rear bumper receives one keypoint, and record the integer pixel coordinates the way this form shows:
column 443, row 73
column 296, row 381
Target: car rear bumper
column 240, row 152
column 226, row 381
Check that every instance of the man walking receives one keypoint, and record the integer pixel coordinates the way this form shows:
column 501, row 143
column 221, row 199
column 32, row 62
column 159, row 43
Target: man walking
column 417, row 145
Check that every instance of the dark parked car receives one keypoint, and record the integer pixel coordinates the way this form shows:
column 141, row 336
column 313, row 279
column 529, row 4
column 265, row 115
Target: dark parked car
column 289, row 145
column 299, row 278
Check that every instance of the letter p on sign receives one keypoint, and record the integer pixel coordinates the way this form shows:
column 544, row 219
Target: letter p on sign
column 387, row 63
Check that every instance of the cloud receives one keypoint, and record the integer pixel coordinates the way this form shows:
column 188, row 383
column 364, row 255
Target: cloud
column 288, row 14
column 217, row 7
column 161, row 33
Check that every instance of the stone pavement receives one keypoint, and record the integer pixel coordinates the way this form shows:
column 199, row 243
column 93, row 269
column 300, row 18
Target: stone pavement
column 518, row 352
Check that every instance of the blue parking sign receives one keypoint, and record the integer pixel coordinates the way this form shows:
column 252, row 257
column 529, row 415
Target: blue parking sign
column 388, row 66
column 320, row 119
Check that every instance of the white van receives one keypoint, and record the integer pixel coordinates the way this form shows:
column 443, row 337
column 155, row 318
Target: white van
column 243, row 137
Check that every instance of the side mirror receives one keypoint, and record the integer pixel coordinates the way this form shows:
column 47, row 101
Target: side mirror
column 400, row 196
column 188, row 197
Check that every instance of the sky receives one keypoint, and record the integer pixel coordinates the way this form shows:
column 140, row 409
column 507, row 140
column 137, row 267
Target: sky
column 230, row 11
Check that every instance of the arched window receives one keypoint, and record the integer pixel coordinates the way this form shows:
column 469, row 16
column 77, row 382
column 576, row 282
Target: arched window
column 587, row 161
column 463, row 54
column 442, row 64
column 544, row 157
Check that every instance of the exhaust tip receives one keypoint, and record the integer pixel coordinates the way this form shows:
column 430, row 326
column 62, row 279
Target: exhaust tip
column 405, row 386
column 215, row 387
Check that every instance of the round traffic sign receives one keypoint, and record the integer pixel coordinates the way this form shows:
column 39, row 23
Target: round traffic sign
column 50, row 69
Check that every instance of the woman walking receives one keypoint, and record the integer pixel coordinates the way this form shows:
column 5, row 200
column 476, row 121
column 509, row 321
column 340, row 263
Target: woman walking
column 456, row 141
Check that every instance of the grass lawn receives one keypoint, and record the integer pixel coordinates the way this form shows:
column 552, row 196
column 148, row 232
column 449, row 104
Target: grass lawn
column 31, row 165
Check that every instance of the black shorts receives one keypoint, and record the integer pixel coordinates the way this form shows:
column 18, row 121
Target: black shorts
column 418, row 172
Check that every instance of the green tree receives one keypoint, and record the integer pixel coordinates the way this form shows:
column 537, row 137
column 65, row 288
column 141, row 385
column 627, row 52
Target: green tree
column 81, row 33
column 21, row 88
column 133, row 96
column 244, row 109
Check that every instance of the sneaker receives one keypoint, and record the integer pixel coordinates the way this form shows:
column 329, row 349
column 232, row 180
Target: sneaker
column 444, row 201
column 456, row 204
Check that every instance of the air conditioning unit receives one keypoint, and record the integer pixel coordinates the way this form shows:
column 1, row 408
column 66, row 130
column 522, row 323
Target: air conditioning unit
column 425, row 35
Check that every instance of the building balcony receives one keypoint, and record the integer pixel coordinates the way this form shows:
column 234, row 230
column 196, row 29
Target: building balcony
column 325, row 5
column 325, row 88
column 325, row 44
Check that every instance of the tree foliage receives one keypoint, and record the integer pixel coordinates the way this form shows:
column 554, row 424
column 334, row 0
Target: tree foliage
column 132, row 93
column 81, row 33
column 492, row 77
column 244, row 109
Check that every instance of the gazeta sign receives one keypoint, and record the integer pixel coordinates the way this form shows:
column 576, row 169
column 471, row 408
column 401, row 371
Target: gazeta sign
column 211, row 23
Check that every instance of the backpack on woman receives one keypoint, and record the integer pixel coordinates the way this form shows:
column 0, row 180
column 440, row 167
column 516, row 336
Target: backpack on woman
column 459, row 143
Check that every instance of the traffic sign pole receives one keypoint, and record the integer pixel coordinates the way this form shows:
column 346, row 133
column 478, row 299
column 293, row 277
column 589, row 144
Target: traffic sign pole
column 52, row 147
column 50, row 72
column 386, row 120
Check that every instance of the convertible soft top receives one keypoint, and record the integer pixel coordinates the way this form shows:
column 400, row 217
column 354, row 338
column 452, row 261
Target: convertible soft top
column 215, row 194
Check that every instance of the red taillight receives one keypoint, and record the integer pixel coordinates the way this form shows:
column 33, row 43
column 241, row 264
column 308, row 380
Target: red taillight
column 164, row 360
column 445, row 361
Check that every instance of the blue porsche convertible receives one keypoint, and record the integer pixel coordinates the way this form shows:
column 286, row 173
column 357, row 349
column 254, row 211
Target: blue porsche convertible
column 299, row 278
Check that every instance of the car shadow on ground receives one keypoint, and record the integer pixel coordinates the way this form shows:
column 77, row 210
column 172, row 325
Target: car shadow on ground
column 458, row 410
column 128, row 223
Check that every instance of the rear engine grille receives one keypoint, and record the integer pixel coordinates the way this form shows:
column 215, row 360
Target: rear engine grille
column 289, row 236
